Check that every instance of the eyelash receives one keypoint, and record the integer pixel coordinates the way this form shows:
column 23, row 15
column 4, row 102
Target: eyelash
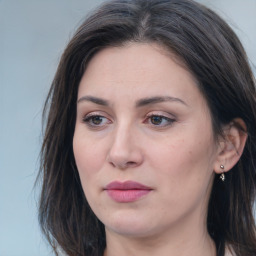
column 90, row 118
column 169, row 121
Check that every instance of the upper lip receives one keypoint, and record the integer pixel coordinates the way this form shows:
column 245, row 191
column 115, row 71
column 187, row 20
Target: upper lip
column 127, row 185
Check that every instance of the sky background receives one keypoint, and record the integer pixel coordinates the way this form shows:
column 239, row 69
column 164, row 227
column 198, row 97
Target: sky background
column 33, row 34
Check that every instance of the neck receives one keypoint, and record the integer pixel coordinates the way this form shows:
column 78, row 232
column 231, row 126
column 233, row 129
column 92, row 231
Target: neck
column 136, row 247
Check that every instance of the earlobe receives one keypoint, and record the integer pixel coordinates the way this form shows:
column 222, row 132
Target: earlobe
column 232, row 146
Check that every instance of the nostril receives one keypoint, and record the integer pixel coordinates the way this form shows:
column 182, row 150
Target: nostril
column 123, row 159
column 112, row 164
column 130, row 163
column 123, row 165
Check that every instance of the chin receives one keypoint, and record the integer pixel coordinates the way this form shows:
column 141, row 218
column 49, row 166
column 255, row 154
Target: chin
column 130, row 231
column 131, row 226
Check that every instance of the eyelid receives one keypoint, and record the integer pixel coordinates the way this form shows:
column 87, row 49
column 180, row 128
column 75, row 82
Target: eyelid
column 96, row 113
column 161, row 113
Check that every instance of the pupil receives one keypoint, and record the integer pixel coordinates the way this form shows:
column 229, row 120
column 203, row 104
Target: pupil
column 96, row 120
column 156, row 120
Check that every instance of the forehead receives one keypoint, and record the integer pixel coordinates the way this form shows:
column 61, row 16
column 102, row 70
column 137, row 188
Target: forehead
column 146, row 69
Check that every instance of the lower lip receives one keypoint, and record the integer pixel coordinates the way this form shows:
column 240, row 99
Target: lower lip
column 126, row 196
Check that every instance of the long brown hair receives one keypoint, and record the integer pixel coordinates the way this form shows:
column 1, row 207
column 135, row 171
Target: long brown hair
column 214, row 55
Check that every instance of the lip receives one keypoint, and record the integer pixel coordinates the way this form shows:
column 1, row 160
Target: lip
column 128, row 191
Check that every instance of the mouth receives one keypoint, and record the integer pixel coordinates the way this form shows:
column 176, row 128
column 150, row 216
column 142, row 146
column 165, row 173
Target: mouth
column 128, row 191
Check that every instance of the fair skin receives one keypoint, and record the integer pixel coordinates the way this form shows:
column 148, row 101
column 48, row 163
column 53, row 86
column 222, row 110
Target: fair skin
column 146, row 121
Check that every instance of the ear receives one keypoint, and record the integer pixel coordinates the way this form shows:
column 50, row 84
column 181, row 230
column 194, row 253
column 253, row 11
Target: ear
column 231, row 146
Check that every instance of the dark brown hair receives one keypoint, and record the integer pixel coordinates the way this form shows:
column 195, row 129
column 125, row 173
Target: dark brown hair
column 214, row 55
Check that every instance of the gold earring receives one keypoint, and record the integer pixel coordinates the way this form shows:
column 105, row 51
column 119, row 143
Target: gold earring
column 222, row 176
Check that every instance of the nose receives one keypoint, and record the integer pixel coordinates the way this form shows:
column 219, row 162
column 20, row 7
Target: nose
column 125, row 151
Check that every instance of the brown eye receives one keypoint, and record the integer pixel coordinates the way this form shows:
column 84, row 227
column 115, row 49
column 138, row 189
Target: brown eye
column 96, row 120
column 159, row 120
column 156, row 120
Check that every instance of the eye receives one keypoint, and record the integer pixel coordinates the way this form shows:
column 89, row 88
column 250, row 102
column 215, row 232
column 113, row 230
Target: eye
column 94, row 120
column 159, row 120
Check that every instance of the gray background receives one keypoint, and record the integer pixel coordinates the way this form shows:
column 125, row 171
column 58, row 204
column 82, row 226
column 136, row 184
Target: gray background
column 33, row 34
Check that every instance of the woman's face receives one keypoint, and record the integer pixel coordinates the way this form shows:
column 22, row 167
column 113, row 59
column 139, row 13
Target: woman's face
column 143, row 142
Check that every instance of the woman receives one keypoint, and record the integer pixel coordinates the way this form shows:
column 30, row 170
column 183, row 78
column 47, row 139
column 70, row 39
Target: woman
column 150, row 143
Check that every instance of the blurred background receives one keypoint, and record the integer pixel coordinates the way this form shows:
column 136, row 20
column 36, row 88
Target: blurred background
column 33, row 34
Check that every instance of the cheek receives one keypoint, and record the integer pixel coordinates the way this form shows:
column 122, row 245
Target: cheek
column 89, row 156
column 185, row 162
column 181, row 153
column 89, row 160
column 185, row 173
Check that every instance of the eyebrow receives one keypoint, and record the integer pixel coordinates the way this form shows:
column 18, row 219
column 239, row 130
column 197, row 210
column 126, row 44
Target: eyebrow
column 139, row 103
column 95, row 100
column 158, row 99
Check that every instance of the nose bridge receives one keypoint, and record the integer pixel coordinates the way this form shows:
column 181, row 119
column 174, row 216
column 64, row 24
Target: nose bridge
column 122, row 139
column 124, row 150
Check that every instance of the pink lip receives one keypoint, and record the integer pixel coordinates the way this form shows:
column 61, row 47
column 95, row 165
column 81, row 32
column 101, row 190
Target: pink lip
column 128, row 191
